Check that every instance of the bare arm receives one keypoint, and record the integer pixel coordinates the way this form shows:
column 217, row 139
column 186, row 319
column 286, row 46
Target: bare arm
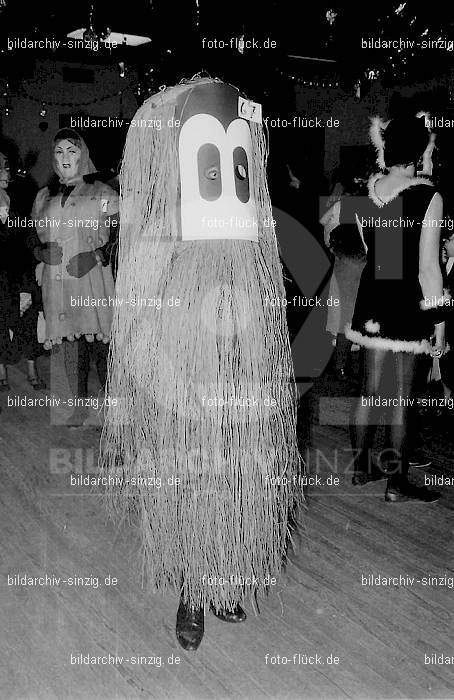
column 330, row 220
column 430, row 277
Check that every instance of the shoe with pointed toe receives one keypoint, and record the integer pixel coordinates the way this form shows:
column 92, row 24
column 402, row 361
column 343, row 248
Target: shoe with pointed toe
column 418, row 460
column 410, row 493
column 190, row 626
column 235, row 615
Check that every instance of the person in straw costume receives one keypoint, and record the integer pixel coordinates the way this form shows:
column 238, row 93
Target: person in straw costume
column 201, row 424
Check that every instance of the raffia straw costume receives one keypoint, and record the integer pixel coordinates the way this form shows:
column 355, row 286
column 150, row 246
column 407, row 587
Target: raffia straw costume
column 204, row 384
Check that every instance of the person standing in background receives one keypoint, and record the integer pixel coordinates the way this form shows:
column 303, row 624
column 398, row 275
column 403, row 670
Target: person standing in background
column 342, row 237
column 447, row 360
column 399, row 307
column 73, row 216
column 20, row 299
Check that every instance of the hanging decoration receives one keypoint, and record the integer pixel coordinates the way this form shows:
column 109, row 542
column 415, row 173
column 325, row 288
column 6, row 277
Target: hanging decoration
column 138, row 93
column 106, row 37
column 120, row 108
column 331, row 16
column 90, row 36
column 451, row 87
column 6, row 95
column 197, row 14
column 357, row 89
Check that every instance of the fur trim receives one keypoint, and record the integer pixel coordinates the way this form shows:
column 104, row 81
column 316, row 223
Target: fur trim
column 360, row 229
column 378, row 126
column 372, row 326
column 418, row 347
column 427, row 163
column 426, row 116
column 411, row 182
column 376, row 129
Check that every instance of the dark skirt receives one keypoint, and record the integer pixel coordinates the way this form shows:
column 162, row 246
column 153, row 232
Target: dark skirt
column 18, row 334
column 388, row 315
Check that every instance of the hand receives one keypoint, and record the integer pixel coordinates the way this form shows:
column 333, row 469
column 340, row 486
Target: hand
column 438, row 345
column 437, row 350
column 51, row 253
column 80, row 264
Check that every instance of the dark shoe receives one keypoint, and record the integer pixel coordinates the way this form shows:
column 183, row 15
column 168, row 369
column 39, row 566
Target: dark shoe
column 410, row 492
column 361, row 476
column 237, row 615
column 36, row 383
column 419, row 460
column 190, row 626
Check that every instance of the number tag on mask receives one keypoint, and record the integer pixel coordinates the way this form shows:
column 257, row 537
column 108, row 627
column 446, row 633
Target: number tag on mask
column 252, row 111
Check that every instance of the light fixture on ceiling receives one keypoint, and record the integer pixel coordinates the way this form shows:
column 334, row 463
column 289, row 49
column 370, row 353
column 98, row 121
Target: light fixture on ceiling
column 115, row 38
column 108, row 37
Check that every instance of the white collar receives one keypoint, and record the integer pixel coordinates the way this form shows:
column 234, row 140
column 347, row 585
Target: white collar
column 449, row 265
column 404, row 186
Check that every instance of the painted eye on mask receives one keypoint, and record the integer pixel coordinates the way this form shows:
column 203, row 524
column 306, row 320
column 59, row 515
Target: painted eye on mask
column 240, row 168
column 209, row 167
column 216, row 179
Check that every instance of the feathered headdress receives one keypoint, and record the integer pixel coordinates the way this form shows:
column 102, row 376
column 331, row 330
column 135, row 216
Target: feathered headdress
column 376, row 130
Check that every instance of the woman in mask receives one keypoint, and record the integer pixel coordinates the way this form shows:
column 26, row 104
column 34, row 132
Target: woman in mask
column 73, row 217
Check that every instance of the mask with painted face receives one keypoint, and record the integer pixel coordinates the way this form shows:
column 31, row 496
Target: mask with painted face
column 215, row 165
column 71, row 157
column 196, row 228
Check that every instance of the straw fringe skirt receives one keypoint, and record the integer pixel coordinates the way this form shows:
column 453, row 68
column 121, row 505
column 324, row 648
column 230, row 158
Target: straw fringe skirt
column 202, row 441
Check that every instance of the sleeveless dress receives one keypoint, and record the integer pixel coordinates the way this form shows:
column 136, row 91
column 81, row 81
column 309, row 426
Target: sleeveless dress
column 389, row 312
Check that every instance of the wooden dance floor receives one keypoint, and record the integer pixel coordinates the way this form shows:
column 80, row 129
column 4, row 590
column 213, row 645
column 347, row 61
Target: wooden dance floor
column 365, row 640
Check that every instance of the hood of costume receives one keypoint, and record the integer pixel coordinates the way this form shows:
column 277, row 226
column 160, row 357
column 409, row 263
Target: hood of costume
column 85, row 165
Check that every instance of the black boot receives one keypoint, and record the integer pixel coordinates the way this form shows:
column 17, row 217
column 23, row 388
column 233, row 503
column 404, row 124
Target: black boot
column 190, row 626
column 237, row 615
column 401, row 490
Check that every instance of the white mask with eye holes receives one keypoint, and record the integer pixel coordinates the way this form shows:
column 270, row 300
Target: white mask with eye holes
column 216, row 173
